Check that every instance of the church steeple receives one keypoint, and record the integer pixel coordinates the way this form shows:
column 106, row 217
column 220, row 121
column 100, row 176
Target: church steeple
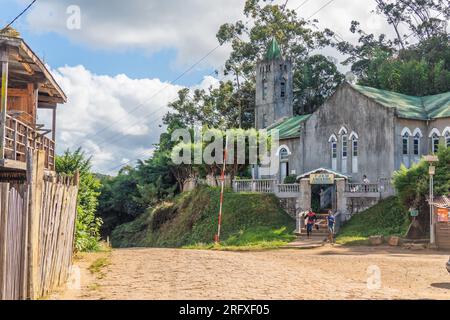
column 273, row 50
column 274, row 87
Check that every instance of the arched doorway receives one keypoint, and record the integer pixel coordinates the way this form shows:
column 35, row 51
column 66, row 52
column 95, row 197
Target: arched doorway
column 319, row 180
column 326, row 179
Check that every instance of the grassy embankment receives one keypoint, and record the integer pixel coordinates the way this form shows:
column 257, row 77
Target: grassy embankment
column 250, row 221
column 387, row 218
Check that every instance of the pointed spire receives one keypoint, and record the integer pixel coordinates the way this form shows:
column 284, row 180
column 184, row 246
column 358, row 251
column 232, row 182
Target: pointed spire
column 10, row 32
column 273, row 50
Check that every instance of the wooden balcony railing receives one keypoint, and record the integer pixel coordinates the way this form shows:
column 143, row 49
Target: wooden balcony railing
column 19, row 136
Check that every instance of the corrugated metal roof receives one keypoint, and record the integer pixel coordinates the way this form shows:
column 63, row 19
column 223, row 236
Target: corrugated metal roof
column 289, row 128
column 441, row 202
column 412, row 107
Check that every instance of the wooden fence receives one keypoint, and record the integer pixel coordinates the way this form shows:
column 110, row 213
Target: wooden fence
column 37, row 225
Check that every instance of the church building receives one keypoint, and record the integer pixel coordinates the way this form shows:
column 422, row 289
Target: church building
column 358, row 131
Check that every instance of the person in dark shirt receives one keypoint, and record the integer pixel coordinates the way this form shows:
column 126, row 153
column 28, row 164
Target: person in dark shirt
column 310, row 221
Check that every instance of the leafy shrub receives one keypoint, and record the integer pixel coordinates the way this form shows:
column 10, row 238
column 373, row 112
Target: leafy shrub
column 290, row 179
column 87, row 228
column 412, row 184
column 163, row 214
column 388, row 217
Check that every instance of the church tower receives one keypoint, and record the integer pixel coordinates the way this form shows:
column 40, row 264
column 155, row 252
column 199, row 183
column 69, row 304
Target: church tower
column 274, row 88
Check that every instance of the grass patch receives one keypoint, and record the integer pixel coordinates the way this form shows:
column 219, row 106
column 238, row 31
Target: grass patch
column 249, row 220
column 98, row 265
column 387, row 218
column 258, row 238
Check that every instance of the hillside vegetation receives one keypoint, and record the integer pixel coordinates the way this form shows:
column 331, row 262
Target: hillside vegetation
column 249, row 220
column 386, row 218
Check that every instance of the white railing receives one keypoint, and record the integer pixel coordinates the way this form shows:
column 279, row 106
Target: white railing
column 362, row 188
column 288, row 188
column 265, row 186
column 242, row 185
column 250, row 185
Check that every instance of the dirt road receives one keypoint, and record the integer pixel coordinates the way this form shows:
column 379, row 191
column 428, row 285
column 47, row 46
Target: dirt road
column 323, row 273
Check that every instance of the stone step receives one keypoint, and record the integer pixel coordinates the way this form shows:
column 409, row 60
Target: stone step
column 316, row 232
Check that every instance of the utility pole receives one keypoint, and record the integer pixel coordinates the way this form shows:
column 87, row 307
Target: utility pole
column 431, row 159
column 222, row 187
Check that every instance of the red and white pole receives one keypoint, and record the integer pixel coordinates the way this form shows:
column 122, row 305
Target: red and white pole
column 222, row 179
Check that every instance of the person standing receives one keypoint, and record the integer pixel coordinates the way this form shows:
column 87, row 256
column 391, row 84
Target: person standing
column 366, row 181
column 331, row 220
column 310, row 221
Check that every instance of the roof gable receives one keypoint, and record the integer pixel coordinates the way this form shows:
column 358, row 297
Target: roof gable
column 321, row 170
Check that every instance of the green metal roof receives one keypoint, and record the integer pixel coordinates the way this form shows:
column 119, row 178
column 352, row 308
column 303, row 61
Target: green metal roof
column 273, row 51
column 289, row 128
column 412, row 107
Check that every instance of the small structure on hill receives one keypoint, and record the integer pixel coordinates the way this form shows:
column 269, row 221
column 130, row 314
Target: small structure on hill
column 441, row 221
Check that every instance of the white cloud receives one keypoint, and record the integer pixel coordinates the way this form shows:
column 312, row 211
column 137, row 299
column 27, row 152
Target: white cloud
column 189, row 26
column 112, row 118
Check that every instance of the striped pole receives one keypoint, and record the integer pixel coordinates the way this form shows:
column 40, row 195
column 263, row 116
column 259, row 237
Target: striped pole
column 222, row 178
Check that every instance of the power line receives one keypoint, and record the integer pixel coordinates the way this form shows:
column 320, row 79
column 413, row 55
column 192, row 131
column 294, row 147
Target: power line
column 140, row 105
column 140, row 121
column 301, row 5
column 140, row 155
column 19, row 15
column 320, row 9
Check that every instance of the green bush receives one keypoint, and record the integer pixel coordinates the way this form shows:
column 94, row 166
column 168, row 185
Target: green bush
column 87, row 228
column 389, row 217
column 193, row 217
column 412, row 185
column 290, row 179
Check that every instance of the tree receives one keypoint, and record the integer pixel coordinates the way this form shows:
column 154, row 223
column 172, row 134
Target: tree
column 412, row 185
column 88, row 225
column 396, row 64
column 425, row 19
column 317, row 79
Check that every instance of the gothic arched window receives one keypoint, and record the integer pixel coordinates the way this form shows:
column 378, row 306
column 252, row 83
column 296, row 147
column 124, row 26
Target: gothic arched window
column 264, row 89
column 333, row 146
column 284, row 155
column 283, row 88
column 434, row 143
column 405, row 144
column 416, row 145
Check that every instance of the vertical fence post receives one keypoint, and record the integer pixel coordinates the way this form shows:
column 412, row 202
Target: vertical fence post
column 35, row 175
column 24, row 245
column 4, row 193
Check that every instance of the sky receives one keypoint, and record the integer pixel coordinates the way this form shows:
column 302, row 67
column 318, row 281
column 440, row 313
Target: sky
column 117, row 60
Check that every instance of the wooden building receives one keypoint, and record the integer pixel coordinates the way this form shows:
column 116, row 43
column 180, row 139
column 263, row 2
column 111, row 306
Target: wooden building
column 27, row 86
column 441, row 221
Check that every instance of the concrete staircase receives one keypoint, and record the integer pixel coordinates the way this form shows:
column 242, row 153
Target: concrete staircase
column 322, row 232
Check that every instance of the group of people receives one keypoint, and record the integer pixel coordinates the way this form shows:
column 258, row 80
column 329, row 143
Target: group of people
column 311, row 222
